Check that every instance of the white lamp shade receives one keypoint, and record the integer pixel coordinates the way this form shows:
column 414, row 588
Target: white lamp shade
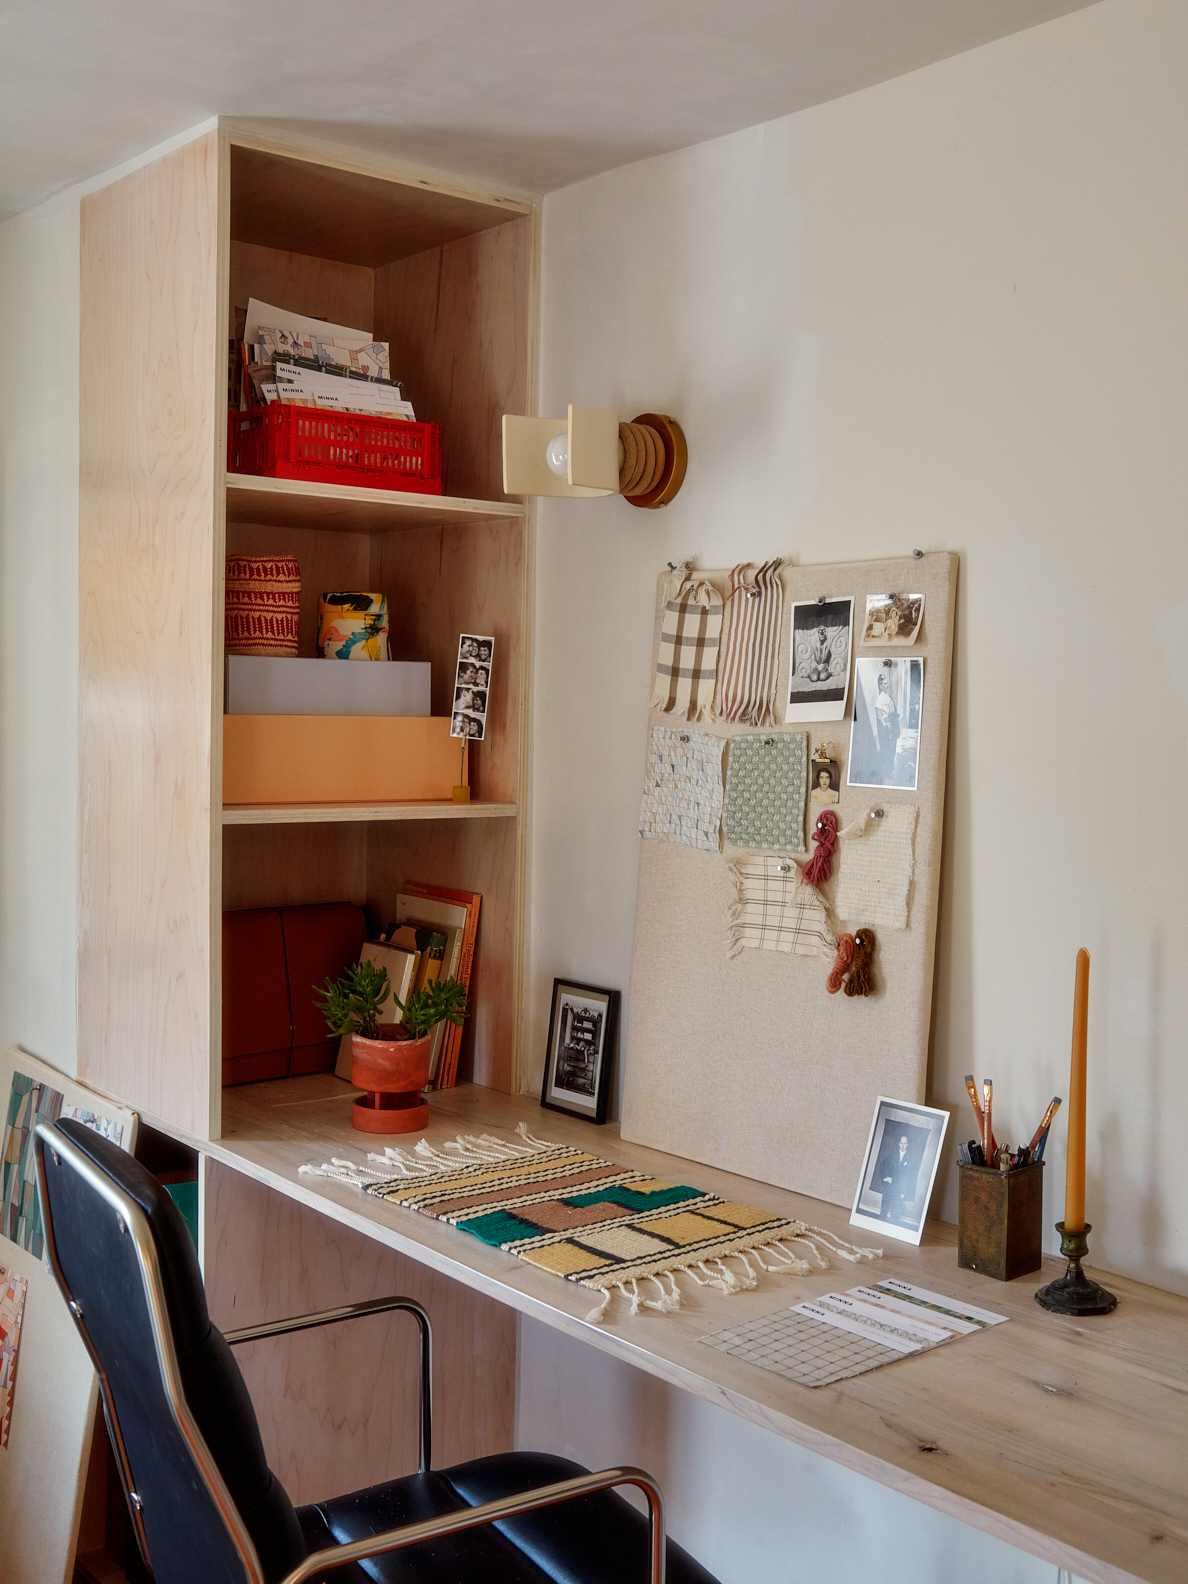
column 593, row 444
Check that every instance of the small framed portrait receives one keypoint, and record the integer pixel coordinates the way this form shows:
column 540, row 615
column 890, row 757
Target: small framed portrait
column 583, row 1025
column 899, row 1169
column 824, row 781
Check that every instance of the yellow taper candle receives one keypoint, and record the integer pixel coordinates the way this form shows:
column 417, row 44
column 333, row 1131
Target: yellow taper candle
column 1074, row 1182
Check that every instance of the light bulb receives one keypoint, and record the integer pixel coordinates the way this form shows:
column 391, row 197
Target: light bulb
column 557, row 455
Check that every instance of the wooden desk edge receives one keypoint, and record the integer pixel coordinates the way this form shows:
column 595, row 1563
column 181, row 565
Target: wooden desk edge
column 333, row 1200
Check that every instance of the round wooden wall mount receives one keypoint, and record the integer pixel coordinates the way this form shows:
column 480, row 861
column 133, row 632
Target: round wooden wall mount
column 676, row 457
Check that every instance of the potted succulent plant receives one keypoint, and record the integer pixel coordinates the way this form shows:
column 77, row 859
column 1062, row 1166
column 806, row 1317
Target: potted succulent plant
column 389, row 1061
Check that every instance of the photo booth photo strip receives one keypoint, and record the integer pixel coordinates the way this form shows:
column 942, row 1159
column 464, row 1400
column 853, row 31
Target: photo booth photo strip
column 819, row 659
column 472, row 686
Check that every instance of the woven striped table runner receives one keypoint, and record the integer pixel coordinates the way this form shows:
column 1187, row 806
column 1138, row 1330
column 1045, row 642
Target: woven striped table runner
column 589, row 1220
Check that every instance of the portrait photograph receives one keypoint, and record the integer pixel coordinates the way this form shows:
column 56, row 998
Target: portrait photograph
column 885, row 734
column 893, row 618
column 472, row 678
column 899, row 1169
column 583, row 1026
column 819, row 668
column 824, row 781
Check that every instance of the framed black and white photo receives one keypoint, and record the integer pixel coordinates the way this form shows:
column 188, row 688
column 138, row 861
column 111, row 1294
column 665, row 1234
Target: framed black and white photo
column 472, row 680
column 582, row 1029
column 899, row 1169
column 885, row 735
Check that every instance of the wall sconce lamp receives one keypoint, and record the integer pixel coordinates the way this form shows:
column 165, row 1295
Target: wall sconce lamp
column 594, row 454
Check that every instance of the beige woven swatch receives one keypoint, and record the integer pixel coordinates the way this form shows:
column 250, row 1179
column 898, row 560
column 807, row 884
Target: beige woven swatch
column 875, row 869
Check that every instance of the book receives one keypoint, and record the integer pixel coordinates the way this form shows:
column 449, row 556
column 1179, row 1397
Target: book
column 451, row 917
column 428, row 943
column 402, row 968
column 471, row 902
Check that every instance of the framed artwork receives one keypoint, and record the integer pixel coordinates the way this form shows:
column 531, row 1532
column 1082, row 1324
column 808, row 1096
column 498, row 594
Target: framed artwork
column 582, row 1028
column 48, row 1392
column 899, row 1169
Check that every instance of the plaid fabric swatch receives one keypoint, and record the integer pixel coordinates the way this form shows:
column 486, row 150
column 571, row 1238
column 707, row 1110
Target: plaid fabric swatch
column 775, row 912
column 682, row 800
column 766, row 781
column 690, row 637
column 747, row 676
column 877, row 861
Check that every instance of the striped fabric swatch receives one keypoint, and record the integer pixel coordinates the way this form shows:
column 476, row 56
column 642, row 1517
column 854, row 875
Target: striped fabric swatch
column 750, row 655
column 690, row 638
column 775, row 912
column 588, row 1220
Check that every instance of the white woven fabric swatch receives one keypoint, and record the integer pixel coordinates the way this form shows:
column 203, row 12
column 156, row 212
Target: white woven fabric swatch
column 875, row 867
column 682, row 800
column 775, row 912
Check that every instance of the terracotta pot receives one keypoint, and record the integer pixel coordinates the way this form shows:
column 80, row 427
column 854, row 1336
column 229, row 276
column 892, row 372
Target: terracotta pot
column 393, row 1070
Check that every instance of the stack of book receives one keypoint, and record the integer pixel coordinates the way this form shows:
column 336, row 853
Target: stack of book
column 432, row 938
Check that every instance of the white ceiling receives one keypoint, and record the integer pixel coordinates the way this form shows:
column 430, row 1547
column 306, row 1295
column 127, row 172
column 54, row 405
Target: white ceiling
column 533, row 93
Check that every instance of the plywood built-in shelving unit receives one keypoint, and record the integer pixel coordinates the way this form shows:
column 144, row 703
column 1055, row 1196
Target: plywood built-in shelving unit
column 447, row 275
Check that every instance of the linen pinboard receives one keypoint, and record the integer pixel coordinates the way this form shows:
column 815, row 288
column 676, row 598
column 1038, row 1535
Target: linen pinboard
column 746, row 1062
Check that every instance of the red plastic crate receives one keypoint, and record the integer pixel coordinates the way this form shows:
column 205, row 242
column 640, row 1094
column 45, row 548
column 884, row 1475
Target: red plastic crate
column 332, row 448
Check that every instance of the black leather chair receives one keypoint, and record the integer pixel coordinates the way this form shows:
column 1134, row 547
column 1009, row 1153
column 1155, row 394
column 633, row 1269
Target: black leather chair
column 204, row 1504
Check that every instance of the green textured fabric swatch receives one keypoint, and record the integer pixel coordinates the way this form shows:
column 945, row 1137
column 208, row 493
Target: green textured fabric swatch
column 766, row 782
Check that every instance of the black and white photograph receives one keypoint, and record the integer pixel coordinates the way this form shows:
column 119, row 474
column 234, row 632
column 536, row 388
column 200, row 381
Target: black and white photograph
column 899, row 1169
column 885, row 735
column 582, row 1029
column 893, row 618
column 819, row 668
column 472, row 680
column 824, row 781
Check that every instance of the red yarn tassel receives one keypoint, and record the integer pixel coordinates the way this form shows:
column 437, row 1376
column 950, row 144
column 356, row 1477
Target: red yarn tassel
column 845, row 956
column 820, row 865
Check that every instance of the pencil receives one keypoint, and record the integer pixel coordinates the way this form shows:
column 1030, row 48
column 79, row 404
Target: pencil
column 977, row 1104
column 987, row 1108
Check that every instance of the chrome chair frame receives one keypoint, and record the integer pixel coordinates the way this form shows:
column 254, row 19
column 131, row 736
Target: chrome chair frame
column 133, row 1222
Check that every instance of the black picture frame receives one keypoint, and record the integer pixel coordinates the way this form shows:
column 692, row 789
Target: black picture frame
column 583, row 1030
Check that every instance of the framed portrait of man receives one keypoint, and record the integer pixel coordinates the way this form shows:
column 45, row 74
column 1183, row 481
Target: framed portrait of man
column 899, row 1169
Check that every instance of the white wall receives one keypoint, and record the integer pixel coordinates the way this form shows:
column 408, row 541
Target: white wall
column 39, row 298
column 39, row 628
column 947, row 312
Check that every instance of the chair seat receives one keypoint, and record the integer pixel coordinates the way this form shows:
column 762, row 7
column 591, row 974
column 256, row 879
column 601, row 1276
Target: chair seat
column 598, row 1539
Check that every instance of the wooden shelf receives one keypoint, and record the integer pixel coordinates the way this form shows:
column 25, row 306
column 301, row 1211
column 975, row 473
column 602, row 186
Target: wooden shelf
column 344, row 813
column 348, row 508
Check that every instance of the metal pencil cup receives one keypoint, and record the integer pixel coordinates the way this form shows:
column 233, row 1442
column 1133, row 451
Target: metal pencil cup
column 1000, row 1218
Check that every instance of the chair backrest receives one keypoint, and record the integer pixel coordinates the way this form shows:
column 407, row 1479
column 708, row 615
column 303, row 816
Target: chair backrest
column 206, row 1506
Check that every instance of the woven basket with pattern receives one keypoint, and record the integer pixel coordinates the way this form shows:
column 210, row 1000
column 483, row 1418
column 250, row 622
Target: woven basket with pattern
column 262, row 604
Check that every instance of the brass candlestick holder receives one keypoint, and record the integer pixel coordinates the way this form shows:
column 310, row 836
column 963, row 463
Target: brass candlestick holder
column 1075, row 1293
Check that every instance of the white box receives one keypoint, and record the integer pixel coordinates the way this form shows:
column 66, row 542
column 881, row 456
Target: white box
column 274, row 685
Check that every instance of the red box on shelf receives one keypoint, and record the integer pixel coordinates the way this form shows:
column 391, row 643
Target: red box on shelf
column 335, row 448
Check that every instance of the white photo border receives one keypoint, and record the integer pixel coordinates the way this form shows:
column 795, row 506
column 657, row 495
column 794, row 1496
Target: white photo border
column 937, row 1122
